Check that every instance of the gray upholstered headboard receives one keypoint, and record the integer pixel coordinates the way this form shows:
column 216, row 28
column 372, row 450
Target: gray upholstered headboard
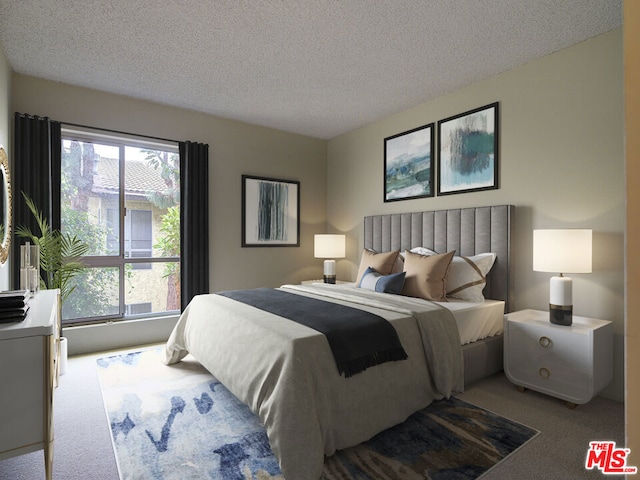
column 468, row 231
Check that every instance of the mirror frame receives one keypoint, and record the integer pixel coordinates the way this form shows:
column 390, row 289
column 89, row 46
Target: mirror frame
column 5, row 243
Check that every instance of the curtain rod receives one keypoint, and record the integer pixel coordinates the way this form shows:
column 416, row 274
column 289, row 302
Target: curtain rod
column 100, row 129
column 119, row 132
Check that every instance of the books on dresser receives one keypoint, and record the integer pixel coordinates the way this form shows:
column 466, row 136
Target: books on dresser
column 14, row 305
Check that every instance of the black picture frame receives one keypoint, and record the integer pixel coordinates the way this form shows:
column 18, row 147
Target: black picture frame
column 270, row 212
column 468, row 151
column 408, row 164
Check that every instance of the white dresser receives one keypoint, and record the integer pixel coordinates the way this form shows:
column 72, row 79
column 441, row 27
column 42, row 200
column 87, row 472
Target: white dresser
column 573, row 363
column 28, row 352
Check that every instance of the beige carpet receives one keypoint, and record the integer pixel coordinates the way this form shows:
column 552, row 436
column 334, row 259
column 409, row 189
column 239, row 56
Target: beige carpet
column 559, row 452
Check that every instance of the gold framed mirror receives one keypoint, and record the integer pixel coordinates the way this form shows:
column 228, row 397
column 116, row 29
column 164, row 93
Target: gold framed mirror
column 5, row 206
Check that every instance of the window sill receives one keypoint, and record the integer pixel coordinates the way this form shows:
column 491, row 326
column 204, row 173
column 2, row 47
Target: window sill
column 100, row 337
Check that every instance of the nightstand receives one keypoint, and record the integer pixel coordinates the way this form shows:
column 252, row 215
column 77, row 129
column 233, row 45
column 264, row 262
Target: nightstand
column 572, row 363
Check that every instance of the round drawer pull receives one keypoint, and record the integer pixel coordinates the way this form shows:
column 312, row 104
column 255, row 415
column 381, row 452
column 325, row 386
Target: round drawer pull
column 546, row 342
column 544, row 373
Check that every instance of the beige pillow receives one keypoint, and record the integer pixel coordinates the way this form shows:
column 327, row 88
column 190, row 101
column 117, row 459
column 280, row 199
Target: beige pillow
column 398, row 265
column 467, row 276
column 380, row 262
column 426, row 275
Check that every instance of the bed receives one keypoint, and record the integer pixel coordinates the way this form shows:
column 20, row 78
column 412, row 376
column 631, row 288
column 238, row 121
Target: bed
column 285, row 371
column 468, row 231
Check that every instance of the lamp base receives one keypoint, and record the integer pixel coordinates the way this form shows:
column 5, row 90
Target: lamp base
column 561, row 314
column 329, row 271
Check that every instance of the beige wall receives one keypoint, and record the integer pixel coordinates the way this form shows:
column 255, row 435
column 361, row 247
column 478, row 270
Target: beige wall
column 5, row 135
column 561, row 164
column 632, row 140
column 235, row 148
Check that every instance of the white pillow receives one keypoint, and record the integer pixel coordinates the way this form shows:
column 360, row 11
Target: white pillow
column 423, row 251
column 467, row 275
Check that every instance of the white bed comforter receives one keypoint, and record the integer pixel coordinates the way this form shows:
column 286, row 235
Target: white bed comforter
column 286, row 374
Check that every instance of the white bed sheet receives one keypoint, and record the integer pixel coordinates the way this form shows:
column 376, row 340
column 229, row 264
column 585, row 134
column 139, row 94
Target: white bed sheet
column 475, row 320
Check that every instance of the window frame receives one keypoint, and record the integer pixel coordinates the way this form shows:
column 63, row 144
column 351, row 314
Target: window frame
column 119, row 261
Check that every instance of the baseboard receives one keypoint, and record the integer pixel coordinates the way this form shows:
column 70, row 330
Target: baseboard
column 85, row 339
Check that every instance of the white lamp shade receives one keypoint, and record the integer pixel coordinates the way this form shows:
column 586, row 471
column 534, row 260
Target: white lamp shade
column 329, row 246
column 562, row 251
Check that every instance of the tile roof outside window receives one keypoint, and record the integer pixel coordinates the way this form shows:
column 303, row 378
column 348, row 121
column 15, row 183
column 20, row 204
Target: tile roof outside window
column 140, row 177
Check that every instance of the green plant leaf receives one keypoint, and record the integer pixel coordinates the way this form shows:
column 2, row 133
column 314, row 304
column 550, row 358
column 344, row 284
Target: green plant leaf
column 60, row 254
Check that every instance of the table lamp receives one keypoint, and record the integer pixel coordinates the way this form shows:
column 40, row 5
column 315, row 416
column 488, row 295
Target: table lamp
column 561, row 251
column 329, row 246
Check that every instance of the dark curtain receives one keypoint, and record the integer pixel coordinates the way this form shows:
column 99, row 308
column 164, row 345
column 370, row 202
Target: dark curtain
column 36, row 172
column 194, row 220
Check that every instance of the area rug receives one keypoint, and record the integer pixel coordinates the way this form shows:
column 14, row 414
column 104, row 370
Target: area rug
column 178, row 422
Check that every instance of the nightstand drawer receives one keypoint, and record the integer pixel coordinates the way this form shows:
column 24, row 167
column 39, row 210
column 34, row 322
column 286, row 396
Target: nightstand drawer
column 550, row 359
column 569, row 362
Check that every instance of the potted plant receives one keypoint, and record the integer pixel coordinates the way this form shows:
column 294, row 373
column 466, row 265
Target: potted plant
column 60, row 260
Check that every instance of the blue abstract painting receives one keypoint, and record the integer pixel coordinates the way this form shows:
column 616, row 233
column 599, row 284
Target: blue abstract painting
column 273, row 212
column 408, row 166
column 468, row 158
column 270, row 212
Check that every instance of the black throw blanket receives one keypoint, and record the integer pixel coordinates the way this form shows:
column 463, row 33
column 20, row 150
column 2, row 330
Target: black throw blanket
column 358, row 339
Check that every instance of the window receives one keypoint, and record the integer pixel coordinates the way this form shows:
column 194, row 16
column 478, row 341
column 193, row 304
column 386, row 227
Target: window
column 121, row 195
column 138, row 235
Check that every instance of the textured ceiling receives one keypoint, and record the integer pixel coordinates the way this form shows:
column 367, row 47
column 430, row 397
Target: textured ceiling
column 315, row 67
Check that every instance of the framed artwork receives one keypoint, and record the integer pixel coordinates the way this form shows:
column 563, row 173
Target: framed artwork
column 408, row 164
column 270, row 212
column 468, row 151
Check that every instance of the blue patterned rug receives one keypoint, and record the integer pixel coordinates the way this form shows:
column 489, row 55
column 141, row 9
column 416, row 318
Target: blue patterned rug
column 178, row 423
